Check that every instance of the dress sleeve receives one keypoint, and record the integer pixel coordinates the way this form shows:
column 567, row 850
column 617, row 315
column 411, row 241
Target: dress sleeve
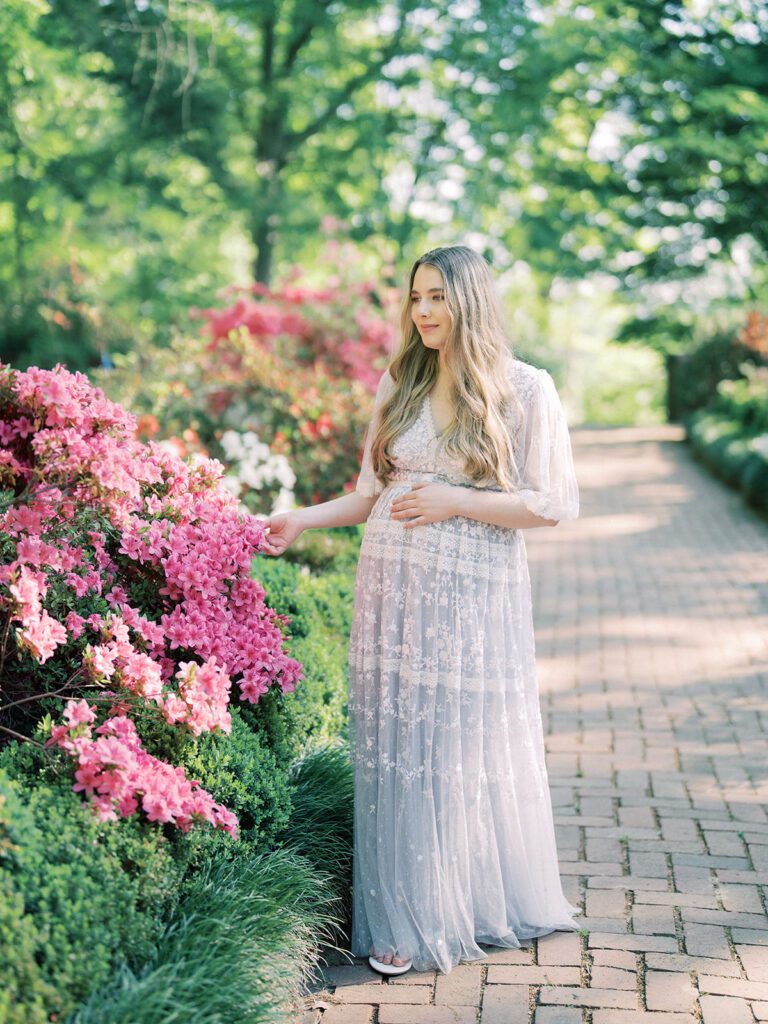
column 367, row 482
column 548, row 484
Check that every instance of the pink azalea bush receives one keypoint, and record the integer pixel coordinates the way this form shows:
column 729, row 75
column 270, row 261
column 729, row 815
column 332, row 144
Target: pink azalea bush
column 125, row 577
column 118, row 775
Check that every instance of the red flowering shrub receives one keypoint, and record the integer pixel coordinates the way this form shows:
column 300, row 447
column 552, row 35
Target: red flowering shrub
column 348, row 330
column 124, row 590
column 295, row 366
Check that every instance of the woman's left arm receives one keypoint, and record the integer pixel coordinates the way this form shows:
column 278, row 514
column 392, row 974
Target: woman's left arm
column 431, row 503
column 548, row 490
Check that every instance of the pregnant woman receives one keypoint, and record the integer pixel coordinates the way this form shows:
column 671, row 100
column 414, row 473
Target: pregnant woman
column 454, row 841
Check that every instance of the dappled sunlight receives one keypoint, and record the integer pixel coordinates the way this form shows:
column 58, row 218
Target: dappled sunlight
column 652, row 625
column 602, row 527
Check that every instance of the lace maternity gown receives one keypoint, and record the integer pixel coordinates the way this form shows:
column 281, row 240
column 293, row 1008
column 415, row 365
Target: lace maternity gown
column 454, row 841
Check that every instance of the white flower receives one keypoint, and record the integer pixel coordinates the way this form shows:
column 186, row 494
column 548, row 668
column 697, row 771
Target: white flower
column 169, row 446
column 232, row 445
column 232, row 484
column 284, row 502
column 253, row 465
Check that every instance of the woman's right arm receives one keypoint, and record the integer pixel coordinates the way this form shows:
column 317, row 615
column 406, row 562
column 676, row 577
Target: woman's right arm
column 284, row 527
column 348, row 510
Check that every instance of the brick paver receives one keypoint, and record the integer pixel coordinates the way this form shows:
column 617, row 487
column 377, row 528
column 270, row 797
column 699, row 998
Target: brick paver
column 652, row 643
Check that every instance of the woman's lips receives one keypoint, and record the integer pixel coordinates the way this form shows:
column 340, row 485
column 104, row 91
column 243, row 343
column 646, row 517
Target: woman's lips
column 428, row 327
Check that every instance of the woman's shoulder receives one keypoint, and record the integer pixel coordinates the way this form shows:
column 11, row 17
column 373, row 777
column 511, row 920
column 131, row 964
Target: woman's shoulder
column 386, row 384
column 524, row 377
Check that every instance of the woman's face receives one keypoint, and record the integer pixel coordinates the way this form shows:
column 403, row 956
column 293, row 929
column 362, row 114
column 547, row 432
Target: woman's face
column 428, row 309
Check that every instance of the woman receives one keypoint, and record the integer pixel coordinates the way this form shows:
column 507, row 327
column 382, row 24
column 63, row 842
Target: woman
column 454, row 840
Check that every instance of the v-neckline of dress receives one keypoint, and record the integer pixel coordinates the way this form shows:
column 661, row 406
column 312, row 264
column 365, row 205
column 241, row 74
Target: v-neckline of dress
column 428, row 404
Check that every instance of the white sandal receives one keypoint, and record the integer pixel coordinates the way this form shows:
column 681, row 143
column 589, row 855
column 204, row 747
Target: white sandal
column 382, row 968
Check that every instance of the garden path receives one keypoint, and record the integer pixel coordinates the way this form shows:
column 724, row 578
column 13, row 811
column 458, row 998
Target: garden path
column 651, row 618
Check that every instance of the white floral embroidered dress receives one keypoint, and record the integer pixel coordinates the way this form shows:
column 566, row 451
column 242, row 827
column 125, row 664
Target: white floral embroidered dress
column 454, row 840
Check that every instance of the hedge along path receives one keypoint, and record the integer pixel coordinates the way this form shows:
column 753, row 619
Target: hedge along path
column 651, row 618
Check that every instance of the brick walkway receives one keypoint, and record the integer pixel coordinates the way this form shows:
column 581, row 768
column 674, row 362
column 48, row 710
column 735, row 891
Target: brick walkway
column 651, row 618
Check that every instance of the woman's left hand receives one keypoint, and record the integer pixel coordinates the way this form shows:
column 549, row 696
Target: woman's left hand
column 425, row 503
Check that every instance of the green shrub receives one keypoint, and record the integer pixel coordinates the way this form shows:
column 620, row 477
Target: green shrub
column 78, row 893
column 246, row 933
column 754, row 478
column 241, row 771
column 731, row 455
column 25, row 995
column 243, row 938
column 693, row 377
column 745, row 401
column 738, row 459
column 320, row 609
column 335, row 550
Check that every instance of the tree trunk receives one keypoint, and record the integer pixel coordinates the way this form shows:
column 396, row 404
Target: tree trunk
column 265, row 222
column 264, row 240
column 266, row 213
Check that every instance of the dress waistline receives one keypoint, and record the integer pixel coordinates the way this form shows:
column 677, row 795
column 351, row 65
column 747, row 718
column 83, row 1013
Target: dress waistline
column 406, row 475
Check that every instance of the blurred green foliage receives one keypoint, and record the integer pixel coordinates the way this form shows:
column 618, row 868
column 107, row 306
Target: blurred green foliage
column 152, row 153
column 694, row 376
column 739, row 459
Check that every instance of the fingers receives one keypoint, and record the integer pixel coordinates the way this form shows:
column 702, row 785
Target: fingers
column 273, row 547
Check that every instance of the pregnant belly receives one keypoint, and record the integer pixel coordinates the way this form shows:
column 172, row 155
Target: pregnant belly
column 458, row 543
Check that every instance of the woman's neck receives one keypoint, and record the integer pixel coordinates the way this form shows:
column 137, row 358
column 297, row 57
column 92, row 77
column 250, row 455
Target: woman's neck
column 443, row 379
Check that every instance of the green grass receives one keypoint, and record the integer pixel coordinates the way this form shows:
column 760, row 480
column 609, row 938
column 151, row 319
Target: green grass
column 235, row 951
column 320, row 828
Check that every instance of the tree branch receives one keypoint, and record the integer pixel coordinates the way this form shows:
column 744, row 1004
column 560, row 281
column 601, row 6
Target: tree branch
column 21, row 736
column 294, row 139
column 300, row 40
column 267, row 51
column 48, row 693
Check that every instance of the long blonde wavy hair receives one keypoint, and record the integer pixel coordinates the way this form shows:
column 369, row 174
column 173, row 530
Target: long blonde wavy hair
column 476, row 352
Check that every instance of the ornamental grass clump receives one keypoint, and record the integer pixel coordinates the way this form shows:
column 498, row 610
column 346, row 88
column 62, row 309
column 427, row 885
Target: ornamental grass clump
column 236, row 950
column 126, row 596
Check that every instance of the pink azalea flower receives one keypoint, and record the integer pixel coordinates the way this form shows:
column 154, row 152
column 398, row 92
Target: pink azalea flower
column 75, row 624
column 100, row 661
column 42, row 636
column 80, row 713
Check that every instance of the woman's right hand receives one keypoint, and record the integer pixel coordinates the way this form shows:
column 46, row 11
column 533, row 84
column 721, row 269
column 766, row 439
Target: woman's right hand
column 283, row 528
